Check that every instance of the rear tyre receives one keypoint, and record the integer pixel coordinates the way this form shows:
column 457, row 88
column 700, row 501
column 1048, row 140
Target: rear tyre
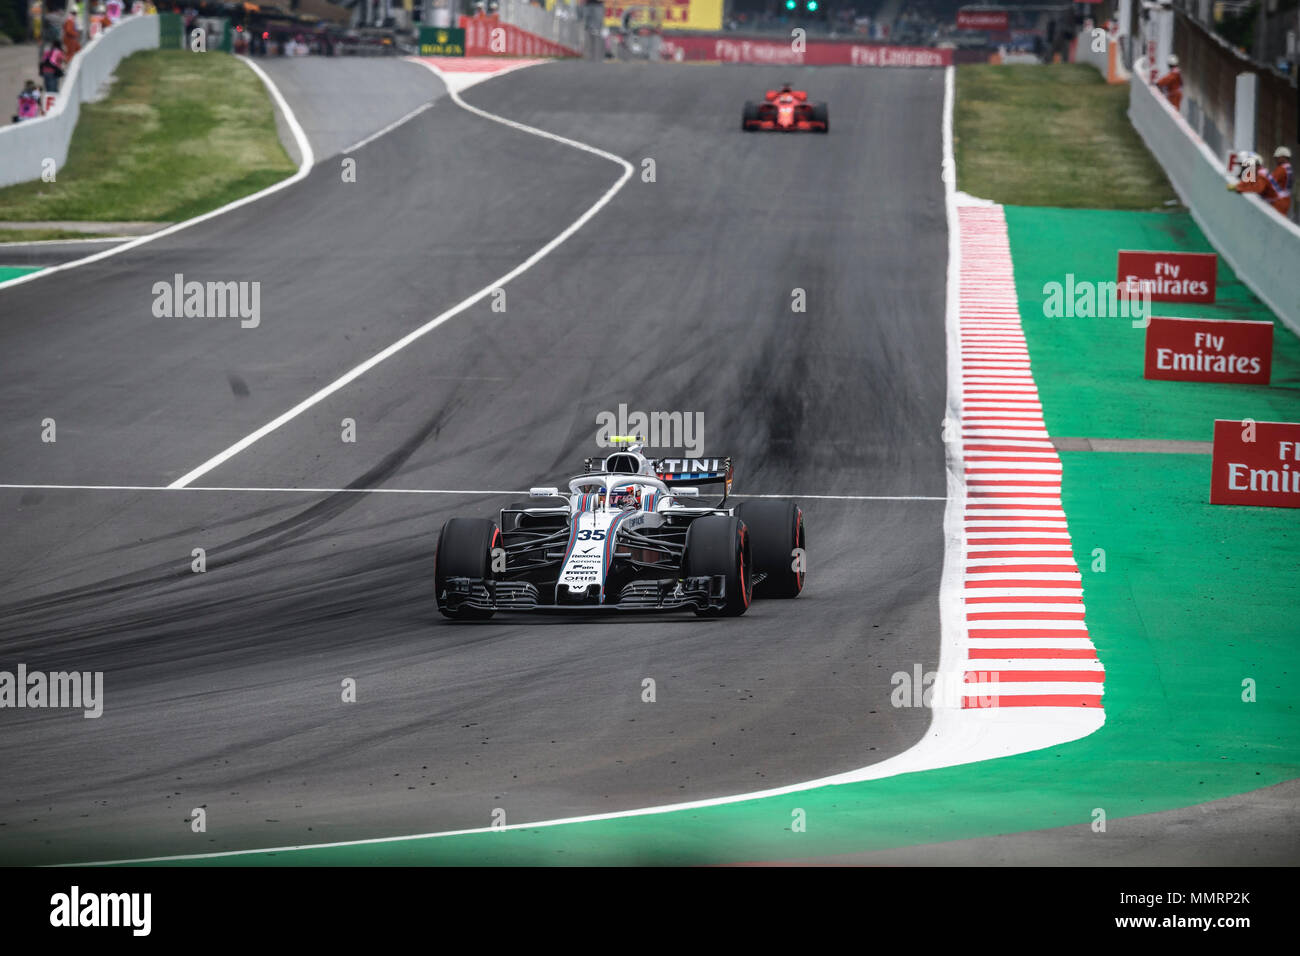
column 464, row 551
column 719, row 545
column 778, row 546
column 749, row 115
column 821, row 113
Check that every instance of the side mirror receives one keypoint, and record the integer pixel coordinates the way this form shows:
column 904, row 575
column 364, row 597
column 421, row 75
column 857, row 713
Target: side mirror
column 543, row 492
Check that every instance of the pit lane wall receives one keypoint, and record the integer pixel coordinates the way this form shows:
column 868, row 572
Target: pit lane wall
column 732, row 49
column 25, row 147
column 1262, row 247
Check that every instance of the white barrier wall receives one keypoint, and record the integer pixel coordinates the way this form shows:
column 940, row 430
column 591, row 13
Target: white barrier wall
column 1261, row 247
column 25, row 146
column 1110, row 61
column 1084, row 53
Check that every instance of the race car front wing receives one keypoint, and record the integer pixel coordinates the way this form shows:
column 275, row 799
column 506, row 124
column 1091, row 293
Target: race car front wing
column 666, row 594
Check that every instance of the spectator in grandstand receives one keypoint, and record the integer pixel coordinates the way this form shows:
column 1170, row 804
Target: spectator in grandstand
column 1172, row 83
column 29, row 102
column 52, row 64
column 1256, row 178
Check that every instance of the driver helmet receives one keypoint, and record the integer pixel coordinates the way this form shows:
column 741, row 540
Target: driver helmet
column 626, row 498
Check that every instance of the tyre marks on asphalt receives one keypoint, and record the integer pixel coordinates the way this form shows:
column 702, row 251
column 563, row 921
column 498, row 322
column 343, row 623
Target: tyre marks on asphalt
column 1028, row 640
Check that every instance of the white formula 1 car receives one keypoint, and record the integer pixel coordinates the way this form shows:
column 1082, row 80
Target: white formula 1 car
column 631, row 534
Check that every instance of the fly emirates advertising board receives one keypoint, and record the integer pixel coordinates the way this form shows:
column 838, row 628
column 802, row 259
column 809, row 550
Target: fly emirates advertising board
column 1209, row 350
column 1169, row 276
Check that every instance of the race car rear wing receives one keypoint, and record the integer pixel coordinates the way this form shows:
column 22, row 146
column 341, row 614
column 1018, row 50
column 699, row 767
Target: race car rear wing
column 680, row 472
column 693, row 471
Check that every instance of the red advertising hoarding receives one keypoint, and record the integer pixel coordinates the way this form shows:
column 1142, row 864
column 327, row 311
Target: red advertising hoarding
column 995, row 20
column 1169, row 276
column 818, row 52
column 1209, row 350
column 1256, row 463
column 486, row 35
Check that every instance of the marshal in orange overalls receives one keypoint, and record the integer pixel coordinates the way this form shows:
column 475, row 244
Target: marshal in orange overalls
column 1172, row 85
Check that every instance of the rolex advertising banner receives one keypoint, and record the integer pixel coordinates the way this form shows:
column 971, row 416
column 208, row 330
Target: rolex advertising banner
column 442, row 41
column 669, row 14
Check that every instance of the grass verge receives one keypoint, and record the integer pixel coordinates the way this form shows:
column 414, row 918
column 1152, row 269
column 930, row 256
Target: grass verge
column 1053, row 135
column 178, row 135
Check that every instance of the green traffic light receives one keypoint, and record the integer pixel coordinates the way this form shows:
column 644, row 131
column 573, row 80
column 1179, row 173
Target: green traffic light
column 790, row 4
column 812, row 6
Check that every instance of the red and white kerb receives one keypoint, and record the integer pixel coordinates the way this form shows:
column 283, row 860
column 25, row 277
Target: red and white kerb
column 1028, row 643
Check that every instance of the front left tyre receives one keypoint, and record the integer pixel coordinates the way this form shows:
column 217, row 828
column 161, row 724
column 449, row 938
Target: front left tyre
column 464, row 551
column 778, row 545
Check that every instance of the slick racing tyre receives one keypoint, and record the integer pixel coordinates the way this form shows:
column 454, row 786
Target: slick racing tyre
column 464, row 551
column 719, row 544
column 778, row 546
column 821, row 113
column 749, row 115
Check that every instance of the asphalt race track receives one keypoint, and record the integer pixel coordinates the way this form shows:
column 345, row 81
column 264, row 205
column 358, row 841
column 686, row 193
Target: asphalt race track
column 222, row 689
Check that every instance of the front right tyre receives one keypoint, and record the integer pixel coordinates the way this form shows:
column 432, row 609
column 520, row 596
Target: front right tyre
column 464, row 551
column 719, row 545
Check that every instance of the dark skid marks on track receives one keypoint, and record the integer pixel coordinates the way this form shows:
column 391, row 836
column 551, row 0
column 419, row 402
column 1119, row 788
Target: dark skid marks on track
column 150, row 612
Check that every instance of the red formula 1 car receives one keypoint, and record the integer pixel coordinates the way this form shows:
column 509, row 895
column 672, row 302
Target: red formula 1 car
column 786, row 111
